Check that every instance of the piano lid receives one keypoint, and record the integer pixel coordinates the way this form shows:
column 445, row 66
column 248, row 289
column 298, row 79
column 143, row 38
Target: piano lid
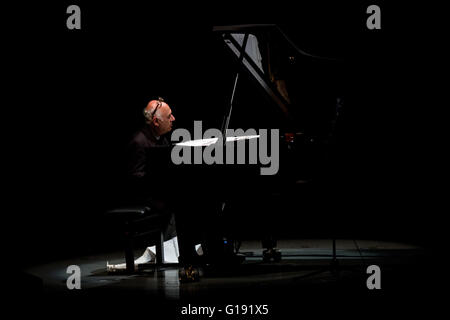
column 275, row 63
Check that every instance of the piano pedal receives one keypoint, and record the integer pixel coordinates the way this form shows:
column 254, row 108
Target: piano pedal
column 189, row 274
column 271, row 255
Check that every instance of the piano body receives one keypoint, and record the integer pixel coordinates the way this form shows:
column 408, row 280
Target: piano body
column 301, row 100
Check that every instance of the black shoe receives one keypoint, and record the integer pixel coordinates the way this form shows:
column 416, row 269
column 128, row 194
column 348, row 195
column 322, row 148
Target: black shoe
column 189, row 274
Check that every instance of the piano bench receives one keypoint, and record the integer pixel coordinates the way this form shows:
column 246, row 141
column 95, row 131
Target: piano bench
column 139, row 221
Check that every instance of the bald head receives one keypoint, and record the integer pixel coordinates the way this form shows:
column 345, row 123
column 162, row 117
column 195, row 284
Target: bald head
column 159, row 116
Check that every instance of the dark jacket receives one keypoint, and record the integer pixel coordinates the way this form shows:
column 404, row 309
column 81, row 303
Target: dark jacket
column 148, row 164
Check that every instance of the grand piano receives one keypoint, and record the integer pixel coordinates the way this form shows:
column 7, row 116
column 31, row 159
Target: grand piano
column 297, row 93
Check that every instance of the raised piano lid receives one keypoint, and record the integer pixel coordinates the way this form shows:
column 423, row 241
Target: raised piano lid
column 233, row 36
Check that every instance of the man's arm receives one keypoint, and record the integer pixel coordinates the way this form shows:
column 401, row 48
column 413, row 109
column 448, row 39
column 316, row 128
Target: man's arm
column 137, row 163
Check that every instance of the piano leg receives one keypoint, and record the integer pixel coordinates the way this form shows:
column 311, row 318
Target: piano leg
column 334, row 265
column 270, row 253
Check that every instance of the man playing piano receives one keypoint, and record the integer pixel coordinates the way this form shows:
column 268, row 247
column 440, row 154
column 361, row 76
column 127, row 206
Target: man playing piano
column 153, row 181
column 148, row 155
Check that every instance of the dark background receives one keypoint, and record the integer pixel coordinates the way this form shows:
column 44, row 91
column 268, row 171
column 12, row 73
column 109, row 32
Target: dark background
column 78, row 97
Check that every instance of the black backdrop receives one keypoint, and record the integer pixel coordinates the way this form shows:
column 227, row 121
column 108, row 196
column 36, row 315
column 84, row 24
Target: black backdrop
column 78, row 96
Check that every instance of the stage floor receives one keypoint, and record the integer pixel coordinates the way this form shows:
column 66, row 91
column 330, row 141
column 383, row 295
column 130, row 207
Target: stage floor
column 303, row 278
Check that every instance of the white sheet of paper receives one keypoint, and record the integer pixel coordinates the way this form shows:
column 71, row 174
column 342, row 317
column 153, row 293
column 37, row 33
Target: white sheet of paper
column 210, row 141
column 171, row 254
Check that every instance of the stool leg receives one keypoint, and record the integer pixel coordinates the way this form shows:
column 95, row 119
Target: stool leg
column 129, row 253
column 160, row 248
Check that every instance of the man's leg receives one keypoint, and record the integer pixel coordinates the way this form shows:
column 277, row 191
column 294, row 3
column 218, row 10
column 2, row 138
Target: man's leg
column 171, row 229
column 185, row 222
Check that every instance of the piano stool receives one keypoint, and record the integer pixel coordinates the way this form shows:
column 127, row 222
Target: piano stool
column 139, row 221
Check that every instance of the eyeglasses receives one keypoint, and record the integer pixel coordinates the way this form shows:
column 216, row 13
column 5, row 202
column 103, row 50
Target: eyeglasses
column 160, row 102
